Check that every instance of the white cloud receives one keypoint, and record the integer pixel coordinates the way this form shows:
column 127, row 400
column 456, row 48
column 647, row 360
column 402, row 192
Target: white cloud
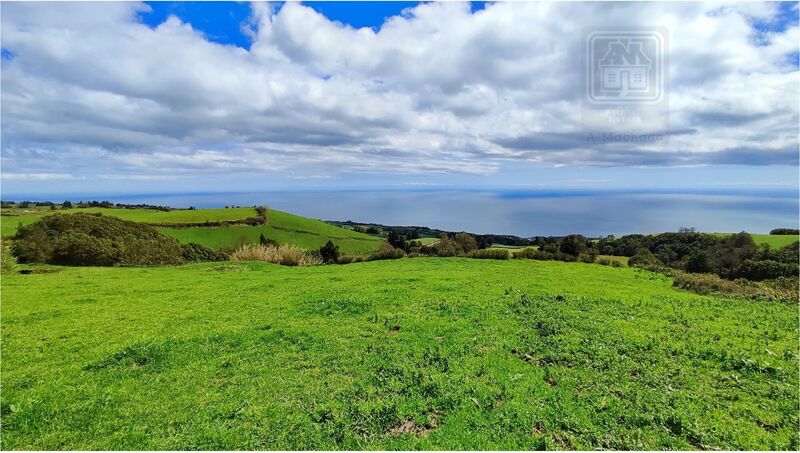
column 90, row 90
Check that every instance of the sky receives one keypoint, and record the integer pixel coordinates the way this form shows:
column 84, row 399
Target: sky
column 162, row 97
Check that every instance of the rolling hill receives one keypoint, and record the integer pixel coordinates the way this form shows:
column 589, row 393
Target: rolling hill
column 281, row 227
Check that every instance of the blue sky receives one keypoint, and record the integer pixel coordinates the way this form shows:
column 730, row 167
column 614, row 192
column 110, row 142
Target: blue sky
column 172, row 96
column 222, row 21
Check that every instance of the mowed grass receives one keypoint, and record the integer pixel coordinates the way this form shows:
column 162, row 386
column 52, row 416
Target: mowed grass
column 404, row 354
column 283, row 227
column 775, row 241
column 10, row 223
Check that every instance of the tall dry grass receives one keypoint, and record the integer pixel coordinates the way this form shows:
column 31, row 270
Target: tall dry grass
column 286, row 254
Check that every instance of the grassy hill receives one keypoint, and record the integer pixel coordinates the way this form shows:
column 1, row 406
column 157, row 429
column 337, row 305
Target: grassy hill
column 406, row 354
column 11, row 220
column 775, row 241
column 283, row 227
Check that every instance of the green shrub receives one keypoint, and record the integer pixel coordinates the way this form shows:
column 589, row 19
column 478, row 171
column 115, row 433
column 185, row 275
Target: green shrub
column 329, row 253
column 616, row 264
column 386, row 252
column 490, row 254
column 347, row 259
column 710, row 283
column 533, row 254
column 197, row 252
column 93, row 240
column 644, row 258
column 605, row 262
column 765, row 269
column 8, row 264
column 555, row 255
column 588, row 256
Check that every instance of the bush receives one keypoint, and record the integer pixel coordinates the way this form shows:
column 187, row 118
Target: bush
column 541, row 255
column 765, row 269
column 329, row 253
column 198, row 252
column 490, row 254
column 533, row 254
column 94, row 240
column 605, row 262
column 616, row 264
column 783, row 289
column 286, row 255
column 8, row 264
column 347, row 259
column 588, row 256
column 386, row 252
column 644, row 258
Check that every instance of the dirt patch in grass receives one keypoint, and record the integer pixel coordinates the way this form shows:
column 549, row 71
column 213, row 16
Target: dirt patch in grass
column 410, row 426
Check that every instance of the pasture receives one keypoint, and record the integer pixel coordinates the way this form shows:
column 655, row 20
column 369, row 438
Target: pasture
column 441, row 353
column 775, row 241
column 283, row 227
column 11, row 219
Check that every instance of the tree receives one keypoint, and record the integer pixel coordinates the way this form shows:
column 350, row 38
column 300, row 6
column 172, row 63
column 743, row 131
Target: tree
column 698, row 262
column 484, row 241
column 93, row 240
column 329, row 253
column 66, row 204
column 785, row 231
column 465, row 242
column 573, row 244
column 397, row 241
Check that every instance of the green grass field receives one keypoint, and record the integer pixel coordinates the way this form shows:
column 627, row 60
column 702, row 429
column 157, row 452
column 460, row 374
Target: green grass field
column 283, row 227
column 10, row 223
column 775, row 241
column 404, row 354
column 427, row 241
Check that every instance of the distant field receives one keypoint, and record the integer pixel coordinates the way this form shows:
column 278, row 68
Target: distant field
column 510, row 247
column 307, row 233
column 621, row 259
column 427, row 241
column 436, row 353
column 10, row 223
column 774, row 240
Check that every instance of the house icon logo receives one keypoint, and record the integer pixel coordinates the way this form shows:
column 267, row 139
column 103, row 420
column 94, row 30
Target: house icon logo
column 625, row 67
